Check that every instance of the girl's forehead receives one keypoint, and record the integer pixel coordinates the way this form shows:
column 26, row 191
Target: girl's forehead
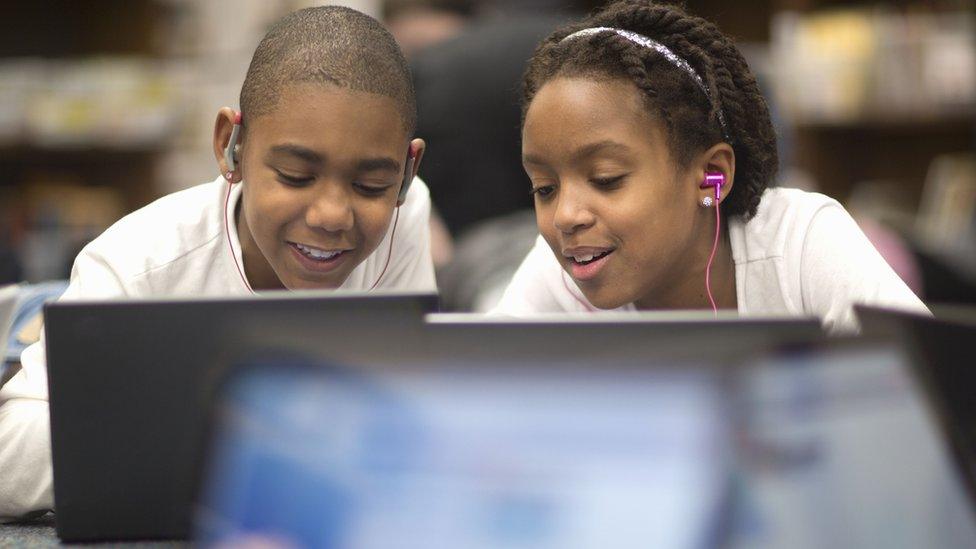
column 588, row 106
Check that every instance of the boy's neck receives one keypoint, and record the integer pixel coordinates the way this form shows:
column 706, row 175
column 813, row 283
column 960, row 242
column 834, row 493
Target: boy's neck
column 258, row 271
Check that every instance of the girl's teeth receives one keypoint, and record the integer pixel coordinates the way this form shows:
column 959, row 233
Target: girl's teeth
column 582, row 258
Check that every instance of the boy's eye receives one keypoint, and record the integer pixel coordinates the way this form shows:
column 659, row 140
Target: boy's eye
column 294, row 180
column 371, row 190
column 608, row 182
column 543, row 191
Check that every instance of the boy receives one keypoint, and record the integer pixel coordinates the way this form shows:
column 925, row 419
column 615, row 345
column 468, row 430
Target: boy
column 315, row 193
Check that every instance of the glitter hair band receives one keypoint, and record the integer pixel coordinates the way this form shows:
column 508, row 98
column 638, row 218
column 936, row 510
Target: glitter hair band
column 672, row 58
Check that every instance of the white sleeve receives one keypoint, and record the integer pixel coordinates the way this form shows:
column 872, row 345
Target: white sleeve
column 411, row 267
column 26, row 482
column 539, row 287
column 839, row 267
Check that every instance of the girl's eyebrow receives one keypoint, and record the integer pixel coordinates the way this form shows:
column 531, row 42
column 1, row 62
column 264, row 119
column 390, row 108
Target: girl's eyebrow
column 591, row 149
column 583, row 152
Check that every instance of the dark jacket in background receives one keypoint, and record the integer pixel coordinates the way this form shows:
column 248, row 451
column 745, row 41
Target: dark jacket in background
column 468, row 102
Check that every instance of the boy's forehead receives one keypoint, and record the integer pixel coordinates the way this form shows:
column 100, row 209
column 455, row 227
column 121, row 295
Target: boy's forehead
column 309, row 103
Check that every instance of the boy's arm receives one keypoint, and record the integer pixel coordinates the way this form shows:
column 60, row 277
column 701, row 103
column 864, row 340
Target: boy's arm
column 26, row 481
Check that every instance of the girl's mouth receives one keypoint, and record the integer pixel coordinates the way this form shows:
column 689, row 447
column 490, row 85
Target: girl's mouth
column 586, row 266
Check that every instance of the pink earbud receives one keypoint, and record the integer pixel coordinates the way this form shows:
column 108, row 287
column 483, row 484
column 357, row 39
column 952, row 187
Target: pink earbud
column 713, row 180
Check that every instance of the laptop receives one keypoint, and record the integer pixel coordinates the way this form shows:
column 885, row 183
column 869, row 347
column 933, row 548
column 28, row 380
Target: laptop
column 550, row 338
column 943, row 364
column 816, row 445
column 8, row 305
column 130, row 383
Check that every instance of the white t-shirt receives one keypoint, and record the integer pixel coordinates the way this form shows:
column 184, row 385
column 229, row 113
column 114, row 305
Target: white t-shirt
column 801, row 255
column 184, row 244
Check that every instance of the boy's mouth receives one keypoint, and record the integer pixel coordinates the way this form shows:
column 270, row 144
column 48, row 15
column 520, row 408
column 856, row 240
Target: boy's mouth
column 318, row 259
column 316, row 254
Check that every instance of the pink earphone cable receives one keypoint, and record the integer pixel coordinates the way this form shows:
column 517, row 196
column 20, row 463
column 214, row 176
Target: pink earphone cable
column 708, row 266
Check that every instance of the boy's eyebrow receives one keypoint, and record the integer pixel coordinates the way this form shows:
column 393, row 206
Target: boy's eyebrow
column 302, row 153
column 378, row 163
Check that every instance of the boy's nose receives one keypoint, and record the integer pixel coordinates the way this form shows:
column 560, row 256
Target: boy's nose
column 331, row 211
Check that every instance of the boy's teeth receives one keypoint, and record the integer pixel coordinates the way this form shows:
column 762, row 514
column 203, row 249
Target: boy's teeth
column 317, row 254
column 582, row 258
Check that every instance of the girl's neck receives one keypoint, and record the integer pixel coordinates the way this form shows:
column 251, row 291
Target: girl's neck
column 686, row 290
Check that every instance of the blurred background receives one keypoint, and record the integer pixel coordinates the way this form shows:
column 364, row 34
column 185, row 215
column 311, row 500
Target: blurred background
column 108, row 104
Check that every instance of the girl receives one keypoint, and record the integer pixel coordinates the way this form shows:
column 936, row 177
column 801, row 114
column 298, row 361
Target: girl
column 315, row 192
column 650, row 150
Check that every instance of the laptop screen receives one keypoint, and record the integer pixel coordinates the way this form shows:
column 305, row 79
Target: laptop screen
column 825, row 448
column 469, row 456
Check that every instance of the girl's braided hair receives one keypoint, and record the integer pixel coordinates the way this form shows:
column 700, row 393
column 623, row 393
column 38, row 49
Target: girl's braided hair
column 691, row 118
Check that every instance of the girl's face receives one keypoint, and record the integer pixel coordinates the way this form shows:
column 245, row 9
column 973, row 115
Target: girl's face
column 621, row 219
column 321, row 176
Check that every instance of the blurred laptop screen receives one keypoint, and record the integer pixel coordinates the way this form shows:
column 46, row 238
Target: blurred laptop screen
column 473, row 456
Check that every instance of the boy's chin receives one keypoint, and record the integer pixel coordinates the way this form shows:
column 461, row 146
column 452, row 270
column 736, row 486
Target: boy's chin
column 296, row 283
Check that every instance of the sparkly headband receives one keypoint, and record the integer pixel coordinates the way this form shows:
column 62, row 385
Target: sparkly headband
column 672, row 58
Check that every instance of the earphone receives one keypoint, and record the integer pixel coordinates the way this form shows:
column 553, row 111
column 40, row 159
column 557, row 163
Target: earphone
column 231, row 153
column 713, row 180
column 233, row 149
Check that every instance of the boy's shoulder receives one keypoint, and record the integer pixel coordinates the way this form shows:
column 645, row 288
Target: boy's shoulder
column 165, row 230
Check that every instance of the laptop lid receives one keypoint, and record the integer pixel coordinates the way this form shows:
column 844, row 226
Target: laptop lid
column 129, row 386
column 943, row 365
column 811, row 448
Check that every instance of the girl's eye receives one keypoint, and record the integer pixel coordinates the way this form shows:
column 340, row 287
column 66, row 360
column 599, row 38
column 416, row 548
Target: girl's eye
column 294, row 181
column 543, row 191
column 608, row 182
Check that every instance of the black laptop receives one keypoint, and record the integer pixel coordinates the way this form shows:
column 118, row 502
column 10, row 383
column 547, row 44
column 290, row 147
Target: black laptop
column 130, row 383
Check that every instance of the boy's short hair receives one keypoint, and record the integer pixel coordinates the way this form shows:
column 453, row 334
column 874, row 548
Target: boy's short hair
column 328, row 44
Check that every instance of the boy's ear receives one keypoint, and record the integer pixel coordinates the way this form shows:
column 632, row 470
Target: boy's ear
column 720, row 158
column 223, row 127
column 417, row 149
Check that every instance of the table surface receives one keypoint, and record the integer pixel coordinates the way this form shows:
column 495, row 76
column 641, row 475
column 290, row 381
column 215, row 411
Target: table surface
column 40, row 532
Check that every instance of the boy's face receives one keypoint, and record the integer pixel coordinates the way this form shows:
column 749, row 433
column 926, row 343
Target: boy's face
column 622, row 221
column 322, row 173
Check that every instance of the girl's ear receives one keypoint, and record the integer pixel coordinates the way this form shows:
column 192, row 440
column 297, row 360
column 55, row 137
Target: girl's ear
column 223, row 127
column 720, row 158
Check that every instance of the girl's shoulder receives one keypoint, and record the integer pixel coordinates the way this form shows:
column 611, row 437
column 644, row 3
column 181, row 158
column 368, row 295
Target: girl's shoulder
column 781, row 223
